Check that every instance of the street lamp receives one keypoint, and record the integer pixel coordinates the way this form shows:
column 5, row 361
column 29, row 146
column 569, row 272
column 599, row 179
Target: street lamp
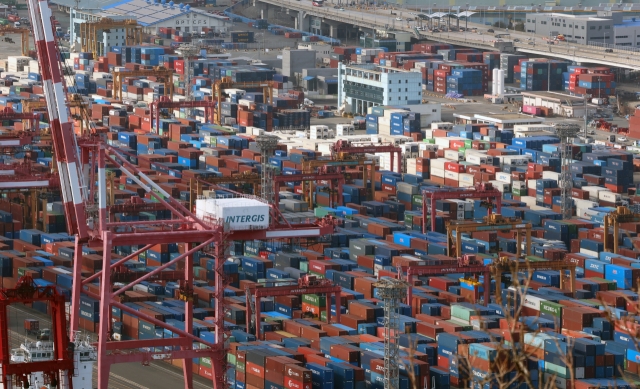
column 466, row 19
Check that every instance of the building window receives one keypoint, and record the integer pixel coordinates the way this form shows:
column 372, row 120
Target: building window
column 621, row 36
column 607, row 27
column 583, row 27
column 434, row 110
column 399, row 97
column 406, row 98
column 592, row 28
column 406, row 89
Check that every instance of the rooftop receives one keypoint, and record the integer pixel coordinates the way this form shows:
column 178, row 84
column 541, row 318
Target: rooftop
column 149, row 12
column 556, row 96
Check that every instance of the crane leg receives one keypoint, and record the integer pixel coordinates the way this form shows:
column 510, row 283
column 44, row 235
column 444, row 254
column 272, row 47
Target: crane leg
column 104, row 365
column 187, row 363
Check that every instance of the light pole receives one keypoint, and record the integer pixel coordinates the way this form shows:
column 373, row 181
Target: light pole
column 466, row 19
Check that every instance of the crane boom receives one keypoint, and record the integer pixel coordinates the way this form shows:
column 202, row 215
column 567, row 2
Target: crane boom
column 66, row 149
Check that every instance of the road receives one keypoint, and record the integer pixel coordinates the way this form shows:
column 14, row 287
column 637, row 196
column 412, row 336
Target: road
column 382, row 19
column 122, row 376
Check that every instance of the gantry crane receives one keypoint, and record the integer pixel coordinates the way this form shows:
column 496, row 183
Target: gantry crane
column 504, row 265
column 82, row 167
column 227, row 83
column 494, row 222
column 60, row 369
column 306, row 285
column 24, row 33
column 462, row 265
column 9, row 114
column 25, row 176
column 336, row 180
column 480, row 191
column 196, row 186
column 165, row 102
column 310, row 167
column 613, row 219
column 157, row 71
column 31, row 106
column 91, row 40
column 343, row 148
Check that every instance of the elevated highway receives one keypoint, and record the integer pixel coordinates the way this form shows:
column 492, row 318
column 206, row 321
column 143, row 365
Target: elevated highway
column 368, row 20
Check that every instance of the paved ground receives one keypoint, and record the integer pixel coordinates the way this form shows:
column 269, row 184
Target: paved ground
column 122, row 376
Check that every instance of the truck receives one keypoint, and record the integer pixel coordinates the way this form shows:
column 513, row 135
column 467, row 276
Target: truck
column 14, row 18
column 32, row 327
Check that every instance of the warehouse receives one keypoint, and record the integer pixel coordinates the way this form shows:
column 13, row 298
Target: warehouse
column 367, row 85
column 558, row 104
column 499, row 120
column 151, row 15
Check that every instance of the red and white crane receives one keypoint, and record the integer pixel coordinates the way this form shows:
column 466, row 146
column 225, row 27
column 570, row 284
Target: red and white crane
column 64, row 140
column 84, row 186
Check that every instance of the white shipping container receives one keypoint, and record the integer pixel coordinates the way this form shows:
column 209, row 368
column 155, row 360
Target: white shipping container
column 465, row 179
column 443, row 143
column 547, row 175
column 428, row 134
column 528, row 200
column 344, row 129
column 437, row 172
column 609, row 196
column 503, row 177
column 239, row 213
column 586, row 204
column 427, row 147
column 451, row 175
column 438, row 163
column 531, row 184
column 594, row 190
column 501, row 186
column 521, row 185
column 590, row 253
column 441, row 126
column 453, row 155
column 476, row 159
column 532, row 302
column 458, row 204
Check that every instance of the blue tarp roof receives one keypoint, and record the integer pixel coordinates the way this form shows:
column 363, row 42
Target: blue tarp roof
column 308, row 78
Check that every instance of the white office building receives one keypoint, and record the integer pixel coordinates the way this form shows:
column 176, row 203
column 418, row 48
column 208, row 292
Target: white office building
column 367, row 85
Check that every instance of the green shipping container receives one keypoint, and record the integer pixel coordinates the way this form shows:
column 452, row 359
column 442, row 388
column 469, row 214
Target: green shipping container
column 551, row 308
column 416, row 200
column 315, row 300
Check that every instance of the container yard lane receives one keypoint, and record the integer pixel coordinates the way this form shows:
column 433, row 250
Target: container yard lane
column 122, row 376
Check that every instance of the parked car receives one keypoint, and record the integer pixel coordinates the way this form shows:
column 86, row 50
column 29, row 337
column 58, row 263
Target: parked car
column 608, row 50
column 490, row 30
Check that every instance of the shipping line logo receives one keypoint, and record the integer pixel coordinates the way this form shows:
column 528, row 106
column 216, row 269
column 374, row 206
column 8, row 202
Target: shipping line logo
column 245, row 219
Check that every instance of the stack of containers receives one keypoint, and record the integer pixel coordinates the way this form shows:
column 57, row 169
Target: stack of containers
column 507, row 63
column 492, row 60
column 467, row 82
column 538, row 75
